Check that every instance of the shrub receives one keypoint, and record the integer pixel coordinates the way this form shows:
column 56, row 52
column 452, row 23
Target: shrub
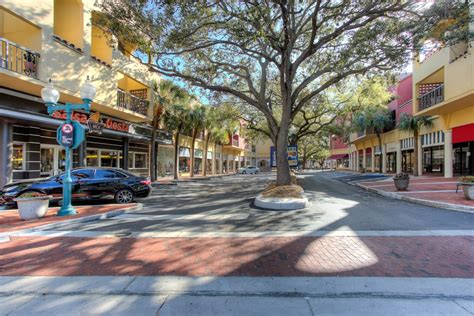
column 31, row 195
column 402, row 176
column 466, row 179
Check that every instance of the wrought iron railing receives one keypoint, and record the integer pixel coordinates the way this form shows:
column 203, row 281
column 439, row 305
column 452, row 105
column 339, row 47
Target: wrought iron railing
column 130, row 102
column 18, row 59
column 431, row 98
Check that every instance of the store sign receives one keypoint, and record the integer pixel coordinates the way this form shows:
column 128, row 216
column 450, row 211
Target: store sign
column 95, row 124
column 84, row 118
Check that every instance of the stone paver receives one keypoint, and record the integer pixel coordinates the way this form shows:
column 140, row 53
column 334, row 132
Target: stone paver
column 220, row 256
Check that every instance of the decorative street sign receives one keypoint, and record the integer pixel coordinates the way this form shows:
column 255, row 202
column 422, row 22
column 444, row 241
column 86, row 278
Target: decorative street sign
column 95, row 124
column 292, row 156
column 67, row 135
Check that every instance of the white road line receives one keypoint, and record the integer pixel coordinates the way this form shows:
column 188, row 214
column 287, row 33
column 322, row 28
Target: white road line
column 194, row 234
column 186, row 217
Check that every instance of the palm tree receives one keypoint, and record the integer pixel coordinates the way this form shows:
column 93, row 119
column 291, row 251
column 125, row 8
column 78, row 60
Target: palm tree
column 164, row 95
column 176, row 119
column 413, row 124
column 377, row 118
column 196, row 123
column 214, row 130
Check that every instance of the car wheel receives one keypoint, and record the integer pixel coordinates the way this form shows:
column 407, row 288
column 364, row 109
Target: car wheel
column 256, row 171
column 124, row 196
column 244, row 172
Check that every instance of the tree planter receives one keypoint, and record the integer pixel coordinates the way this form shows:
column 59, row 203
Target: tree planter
column 33, row 207
column 401, row 183
column 468, row 190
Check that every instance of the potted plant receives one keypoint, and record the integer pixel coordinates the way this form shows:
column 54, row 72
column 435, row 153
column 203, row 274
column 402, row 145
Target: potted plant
column 467, row 184
column 32, row 205
column 401, row 181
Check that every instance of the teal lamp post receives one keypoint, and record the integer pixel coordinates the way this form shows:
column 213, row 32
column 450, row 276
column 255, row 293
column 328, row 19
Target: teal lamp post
column 70, row 134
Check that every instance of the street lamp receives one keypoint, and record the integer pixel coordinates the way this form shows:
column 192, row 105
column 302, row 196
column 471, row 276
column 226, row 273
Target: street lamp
column 70, row 133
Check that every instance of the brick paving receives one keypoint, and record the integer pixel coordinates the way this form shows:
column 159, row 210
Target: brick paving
column 419, row 186
column 11, row 221
column 433, row 256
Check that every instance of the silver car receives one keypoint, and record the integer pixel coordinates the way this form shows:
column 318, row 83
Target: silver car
column 248, row 170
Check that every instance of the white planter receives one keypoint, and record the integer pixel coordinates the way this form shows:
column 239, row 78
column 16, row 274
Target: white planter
column 468, row 190
column 32, row 207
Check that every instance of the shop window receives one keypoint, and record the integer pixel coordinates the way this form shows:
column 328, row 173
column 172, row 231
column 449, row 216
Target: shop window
column 108, row 158
column 140, row 161
column 68, row 23
column 18, row 161
column 92, row 158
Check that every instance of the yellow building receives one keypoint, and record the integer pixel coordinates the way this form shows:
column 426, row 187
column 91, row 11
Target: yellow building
column 443, row 88
column 58, row 40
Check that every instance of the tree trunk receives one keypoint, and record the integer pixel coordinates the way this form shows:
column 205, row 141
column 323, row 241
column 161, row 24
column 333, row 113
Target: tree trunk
column 283, row 168
column 152, row 165
column 415, row 153
column 206, row 147
column 193, row 141
column 304, row 162
column 381, row 158
column 176, row 156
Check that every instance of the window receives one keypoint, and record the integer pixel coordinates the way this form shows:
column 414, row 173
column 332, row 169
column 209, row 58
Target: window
column 108, row 158
column 105, row 174
column 140, row 160
column 18, row 161
column 92, row 158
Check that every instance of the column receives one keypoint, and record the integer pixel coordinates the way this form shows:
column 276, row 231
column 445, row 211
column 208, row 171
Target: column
column 125, row 149
column 384, row 159
column 399, row 158
column 82, row 154
column 420, row 157
column 357, row 160
column 6, row 152
column 373, row 159
column 350, row 161
column 448, row 154
column 364, row 159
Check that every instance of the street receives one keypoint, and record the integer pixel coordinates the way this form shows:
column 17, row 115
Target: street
column 202, row 248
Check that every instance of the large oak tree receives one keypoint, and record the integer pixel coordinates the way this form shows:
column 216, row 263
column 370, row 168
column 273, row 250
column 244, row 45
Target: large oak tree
column 239, row 47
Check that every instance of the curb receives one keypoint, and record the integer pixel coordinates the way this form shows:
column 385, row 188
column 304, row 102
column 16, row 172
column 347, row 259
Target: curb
column 441, row 205
column 281, row 203
column 83, row 219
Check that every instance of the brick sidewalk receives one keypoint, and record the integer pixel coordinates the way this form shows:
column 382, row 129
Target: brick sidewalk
column 431, row 189
column 434, row 256
column 11, row 221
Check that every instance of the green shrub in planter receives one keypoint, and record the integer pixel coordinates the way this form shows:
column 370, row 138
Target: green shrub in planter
column 467, row 186
column 401, row 180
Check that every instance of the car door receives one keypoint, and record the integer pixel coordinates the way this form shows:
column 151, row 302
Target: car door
column 82, row 178
column 55, row 184
column 106, row 183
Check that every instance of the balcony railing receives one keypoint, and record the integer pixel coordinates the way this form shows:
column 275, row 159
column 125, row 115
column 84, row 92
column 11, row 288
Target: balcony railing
column 18, row 59
column 431, row 98
column 130, row 102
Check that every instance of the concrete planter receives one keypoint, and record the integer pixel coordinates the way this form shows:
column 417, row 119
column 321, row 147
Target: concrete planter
column 468, row 190
column 401, row 184
column 33, row 207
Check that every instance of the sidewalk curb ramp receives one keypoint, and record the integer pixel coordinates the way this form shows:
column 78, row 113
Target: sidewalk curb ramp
column 442, row 205
column 4, row 237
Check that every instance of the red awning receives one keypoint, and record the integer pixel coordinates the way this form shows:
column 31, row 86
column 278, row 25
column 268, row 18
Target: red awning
column 463, row 133
column 340, row 156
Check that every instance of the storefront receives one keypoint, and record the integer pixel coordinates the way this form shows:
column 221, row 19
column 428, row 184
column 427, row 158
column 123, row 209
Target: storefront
column 433, row 152
column 463, row 150
column 209, row 162
column 391, row 157
column 184, row 160
column 165, row 161
column 198, row 156
column 218, row 163
column 408, row 155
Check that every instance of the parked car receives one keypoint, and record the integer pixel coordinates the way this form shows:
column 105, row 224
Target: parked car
column 87, row 184
column 248, row 170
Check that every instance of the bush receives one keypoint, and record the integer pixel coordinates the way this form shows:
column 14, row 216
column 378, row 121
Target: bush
column 31, row 195
column 466, row 179
column 402, row 176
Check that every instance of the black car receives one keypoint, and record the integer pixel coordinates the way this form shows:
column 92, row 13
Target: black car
column 87, row 184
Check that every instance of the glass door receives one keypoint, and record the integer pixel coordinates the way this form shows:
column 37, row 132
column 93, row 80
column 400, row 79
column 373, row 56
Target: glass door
column 52, row 160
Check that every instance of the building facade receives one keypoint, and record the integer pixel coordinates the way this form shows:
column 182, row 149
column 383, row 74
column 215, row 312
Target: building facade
column 58, row 40
column 339, row 153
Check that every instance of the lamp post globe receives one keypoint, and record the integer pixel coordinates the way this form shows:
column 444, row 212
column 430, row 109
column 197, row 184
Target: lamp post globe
column 49, row 94
column 87, row 92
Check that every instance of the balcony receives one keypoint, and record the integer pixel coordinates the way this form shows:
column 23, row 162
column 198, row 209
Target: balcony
column 235, row 142
column 18, row 59
column 131, row 102
column 431, row 98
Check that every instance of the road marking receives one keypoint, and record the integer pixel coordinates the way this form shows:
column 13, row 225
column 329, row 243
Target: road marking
column 187, row 217
column 193, row 234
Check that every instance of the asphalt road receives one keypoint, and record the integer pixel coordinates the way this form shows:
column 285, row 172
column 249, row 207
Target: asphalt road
column 225, row 205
